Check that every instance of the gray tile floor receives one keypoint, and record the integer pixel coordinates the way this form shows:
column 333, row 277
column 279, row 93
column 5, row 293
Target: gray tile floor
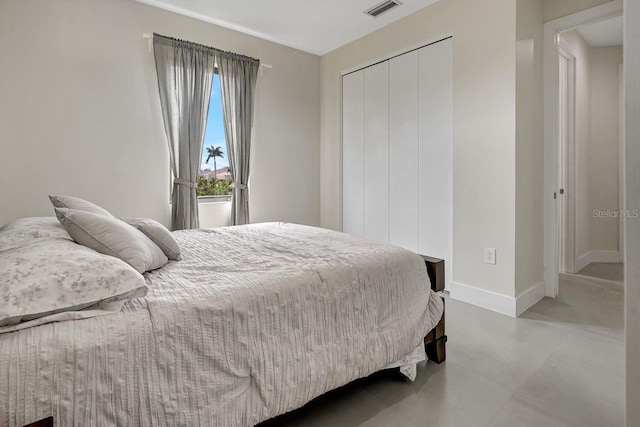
column 560, row 364
column 604, row 270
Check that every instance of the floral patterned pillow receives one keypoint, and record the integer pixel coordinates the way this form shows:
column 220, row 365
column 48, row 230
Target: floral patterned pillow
column 25, row 231
column 56, row 279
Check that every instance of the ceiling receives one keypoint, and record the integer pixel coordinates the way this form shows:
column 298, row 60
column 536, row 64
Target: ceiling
column 603, row 33
column 316, row 27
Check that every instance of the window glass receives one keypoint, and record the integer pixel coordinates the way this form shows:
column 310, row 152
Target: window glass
column 214, row 178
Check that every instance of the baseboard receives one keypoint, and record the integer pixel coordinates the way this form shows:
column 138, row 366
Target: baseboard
column 503, row 304
column 529, row 297
column 499, row 303
column 597, row 256
column 583, row 261
column 605, row 256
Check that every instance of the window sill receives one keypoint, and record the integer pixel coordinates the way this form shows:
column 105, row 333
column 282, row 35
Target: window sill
column 213, row 199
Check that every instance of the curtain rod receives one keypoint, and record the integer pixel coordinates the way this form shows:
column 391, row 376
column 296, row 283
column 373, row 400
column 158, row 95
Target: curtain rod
column 149, row 38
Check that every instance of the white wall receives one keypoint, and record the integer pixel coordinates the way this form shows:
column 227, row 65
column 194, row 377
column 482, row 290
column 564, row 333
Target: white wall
column 214, row 214
column 79, row 112
column 582, row 52
column 484, row 127
column 632, row 201
column 529, row 145
column 605, row 143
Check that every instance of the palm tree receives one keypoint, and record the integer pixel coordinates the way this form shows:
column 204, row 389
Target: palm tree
column 214, row 152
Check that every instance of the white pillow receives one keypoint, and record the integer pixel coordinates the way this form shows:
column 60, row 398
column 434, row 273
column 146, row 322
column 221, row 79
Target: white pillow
column 111, row 236
column 71, row 202
column 159, row 234
column 56, row 279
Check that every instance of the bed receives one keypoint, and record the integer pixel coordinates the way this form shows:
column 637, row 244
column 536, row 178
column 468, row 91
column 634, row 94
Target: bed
column 253, row 322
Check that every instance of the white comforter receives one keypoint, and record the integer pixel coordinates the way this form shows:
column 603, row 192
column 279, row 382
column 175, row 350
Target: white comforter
column 254, row 321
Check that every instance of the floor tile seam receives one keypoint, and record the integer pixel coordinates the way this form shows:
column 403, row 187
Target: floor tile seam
column 603, row 396
column 608, row 282
column 487, row 378
column 493, row 417
column 543, row 410
column 387, row 406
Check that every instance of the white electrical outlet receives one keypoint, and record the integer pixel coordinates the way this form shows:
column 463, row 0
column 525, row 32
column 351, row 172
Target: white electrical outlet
column 490, row 256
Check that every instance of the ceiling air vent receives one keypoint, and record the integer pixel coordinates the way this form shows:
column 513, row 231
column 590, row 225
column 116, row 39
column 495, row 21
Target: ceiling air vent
column 381, row 8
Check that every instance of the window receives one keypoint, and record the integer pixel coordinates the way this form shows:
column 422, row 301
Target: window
column 214, row 178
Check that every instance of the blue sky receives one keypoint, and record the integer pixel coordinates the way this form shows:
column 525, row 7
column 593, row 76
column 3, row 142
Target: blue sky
column 214, row 134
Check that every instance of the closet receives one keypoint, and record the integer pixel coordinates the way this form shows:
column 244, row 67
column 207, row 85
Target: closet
column 397, row 163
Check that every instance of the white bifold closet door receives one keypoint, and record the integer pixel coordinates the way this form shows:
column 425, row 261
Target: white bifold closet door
column 365, row 153
column 404, row 153
column 353, row 154
column 397, row 151
column 376, row 152
column 435, row 194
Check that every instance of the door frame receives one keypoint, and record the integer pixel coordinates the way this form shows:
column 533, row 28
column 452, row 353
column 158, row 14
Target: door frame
column 551, row 130
column 621, row 180
column 567, row 168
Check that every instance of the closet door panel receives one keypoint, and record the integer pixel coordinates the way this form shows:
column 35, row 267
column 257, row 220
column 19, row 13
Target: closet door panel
column 436, row 151
column 353, row 153
column 403, row 150
column 376, row 152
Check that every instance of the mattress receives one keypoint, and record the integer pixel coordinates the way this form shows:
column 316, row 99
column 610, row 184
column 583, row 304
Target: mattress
column 255, row 321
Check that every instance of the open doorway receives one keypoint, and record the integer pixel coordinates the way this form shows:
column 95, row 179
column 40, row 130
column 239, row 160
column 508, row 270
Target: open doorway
column 583, row 153
column 589, row 148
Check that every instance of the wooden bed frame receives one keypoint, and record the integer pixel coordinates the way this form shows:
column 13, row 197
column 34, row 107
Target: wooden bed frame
column 47, row 422
column 435, row 341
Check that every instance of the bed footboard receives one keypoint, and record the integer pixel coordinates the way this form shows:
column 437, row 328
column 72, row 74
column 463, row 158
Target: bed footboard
column 435, row 341
column 47, row 422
